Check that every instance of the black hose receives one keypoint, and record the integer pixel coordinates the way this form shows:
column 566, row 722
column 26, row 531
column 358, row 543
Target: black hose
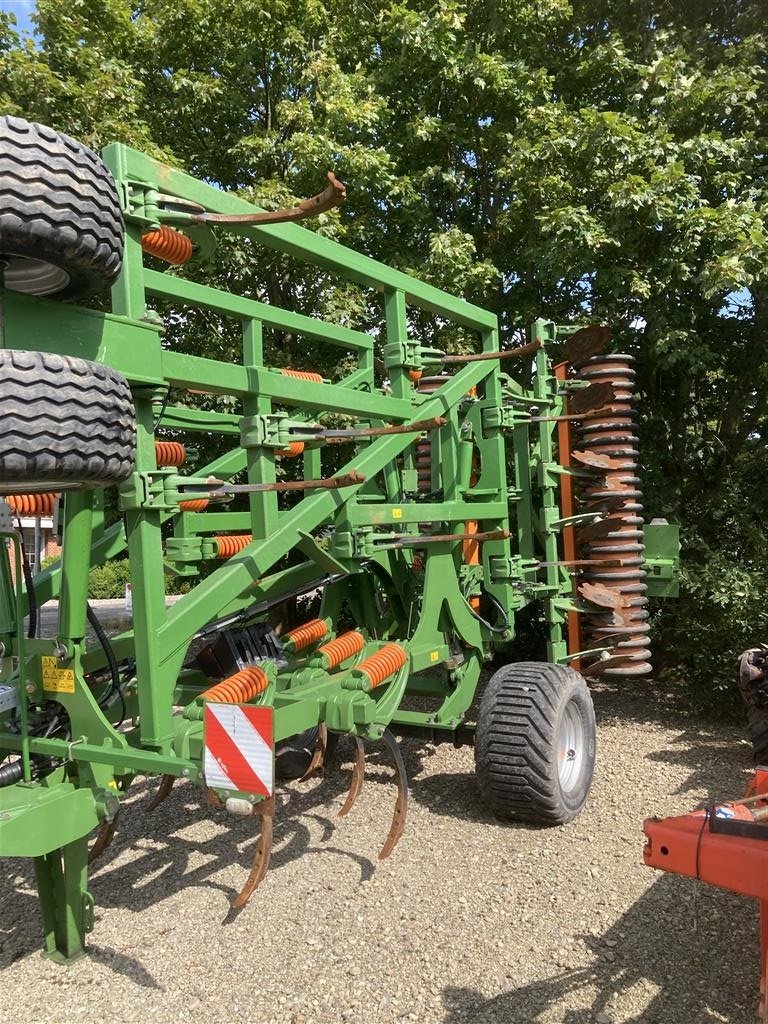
column 11, row 773
column 29, row 584
column 41, row 765
column 109, row 654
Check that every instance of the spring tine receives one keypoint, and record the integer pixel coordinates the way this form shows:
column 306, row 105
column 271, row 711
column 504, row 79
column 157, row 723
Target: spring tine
column 318, row 756
column 358, row 775
column 104, row 837
column 163, row 790
column 401, row 806
column 266, row 811
column 212, row 798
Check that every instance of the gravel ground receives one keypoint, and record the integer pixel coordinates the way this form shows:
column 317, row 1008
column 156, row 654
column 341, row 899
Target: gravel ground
column 468, row 921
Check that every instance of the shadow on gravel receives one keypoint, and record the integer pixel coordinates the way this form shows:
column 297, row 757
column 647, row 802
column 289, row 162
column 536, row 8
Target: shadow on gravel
column 682, row 954
column 165, row 859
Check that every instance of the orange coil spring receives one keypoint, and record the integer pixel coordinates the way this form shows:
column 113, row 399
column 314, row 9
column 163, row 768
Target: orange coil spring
column 383, row 664
column 32, row 504
column 342, row 647
column 316, row 378
column 168, row 245
column 239, row 688
column 294, row 449
column 228, row 546
column 170, row 453
column 309, row 633
column 194, row 505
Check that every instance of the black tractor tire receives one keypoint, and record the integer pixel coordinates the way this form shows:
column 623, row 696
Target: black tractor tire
column 61, row 227
column 64, row 423
column 535, row 743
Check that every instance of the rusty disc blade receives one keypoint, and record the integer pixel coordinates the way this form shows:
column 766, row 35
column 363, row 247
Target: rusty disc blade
column 604, row 597
column 397, row 827
column 587, row 342
column 597, row 531
column 592, row 397
column 597, row 461
column 163, row 790
column 266, row 811
column 603, row 664
column 358, row 775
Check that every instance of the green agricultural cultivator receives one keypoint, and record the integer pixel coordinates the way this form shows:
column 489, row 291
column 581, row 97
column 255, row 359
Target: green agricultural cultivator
column 463, row 489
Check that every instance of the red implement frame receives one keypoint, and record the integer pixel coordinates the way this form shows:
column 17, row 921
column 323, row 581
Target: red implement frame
column 687, row 845
column 568, row 508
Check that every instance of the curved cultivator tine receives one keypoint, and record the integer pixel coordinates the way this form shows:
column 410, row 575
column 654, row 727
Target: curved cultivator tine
column 397, row 827
column 104, row 837
column 318, row 757
column 163, row 790
column 266, row 811
column 358, row 775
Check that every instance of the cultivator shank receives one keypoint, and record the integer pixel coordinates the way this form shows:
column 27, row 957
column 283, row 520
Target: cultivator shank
column 457, row 496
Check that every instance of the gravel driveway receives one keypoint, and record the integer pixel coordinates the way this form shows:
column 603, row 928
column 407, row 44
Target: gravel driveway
column 468, row 921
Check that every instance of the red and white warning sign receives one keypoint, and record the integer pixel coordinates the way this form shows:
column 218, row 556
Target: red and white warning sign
column 239, row 748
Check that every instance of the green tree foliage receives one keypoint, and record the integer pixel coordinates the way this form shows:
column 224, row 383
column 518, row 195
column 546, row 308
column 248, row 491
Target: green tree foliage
column 577, row 160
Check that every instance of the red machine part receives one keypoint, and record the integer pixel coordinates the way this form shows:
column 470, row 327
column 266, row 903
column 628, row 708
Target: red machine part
column 170, row 453
column 239, row 688
column 342, row 648
column 228, row 546
column 194, row 505
column 383, row 664
column 707, row 845
column 304, row 636
column 32, row 504
column 168, row 245
column 316, row 378
column 294, row 449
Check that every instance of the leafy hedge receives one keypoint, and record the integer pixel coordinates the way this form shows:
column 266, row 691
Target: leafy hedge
column 107, row 582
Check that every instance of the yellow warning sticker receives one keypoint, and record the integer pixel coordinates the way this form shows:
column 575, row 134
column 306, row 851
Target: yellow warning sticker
column 434, row 655
column 55, row 679
column 397, row 513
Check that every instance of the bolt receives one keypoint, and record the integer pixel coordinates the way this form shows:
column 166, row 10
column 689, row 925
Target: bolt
column 185, row 773
column 31, row 688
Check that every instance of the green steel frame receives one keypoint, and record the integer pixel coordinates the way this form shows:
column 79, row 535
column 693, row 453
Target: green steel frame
column 491, row 466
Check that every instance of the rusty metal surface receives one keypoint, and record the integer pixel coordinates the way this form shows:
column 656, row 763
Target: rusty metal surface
column 358, row 776
column 162, row 792
column 318, row 754
column 587, row 342
column 334, row 193
column 611, row 486
column 397, row 828
column 266, row 811
column 104, row 837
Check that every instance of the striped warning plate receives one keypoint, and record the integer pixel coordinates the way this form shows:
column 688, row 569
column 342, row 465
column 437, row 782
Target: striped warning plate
column 239, row 748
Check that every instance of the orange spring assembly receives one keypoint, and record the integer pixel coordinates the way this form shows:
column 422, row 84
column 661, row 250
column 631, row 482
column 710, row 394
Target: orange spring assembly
column 32, row 504
column 343, row 647
column 316, row 378
column 239, row 688
column 308, row 633
column 228, row 546
column 194, row 505
column 294, row 449
column 168, row 245
column 170, row 453
column 383, row 664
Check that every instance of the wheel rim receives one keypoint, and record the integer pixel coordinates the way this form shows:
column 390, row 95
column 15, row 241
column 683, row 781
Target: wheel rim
column 570, row 748
column 35, row 277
